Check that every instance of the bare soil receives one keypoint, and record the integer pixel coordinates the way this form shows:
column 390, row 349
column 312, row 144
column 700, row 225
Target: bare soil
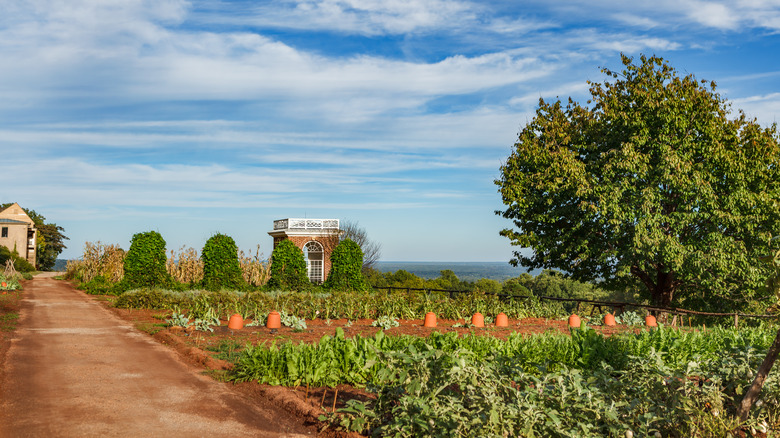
column 74, row 369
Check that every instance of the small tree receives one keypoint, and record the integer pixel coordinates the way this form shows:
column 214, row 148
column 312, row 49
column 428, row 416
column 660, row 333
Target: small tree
column 221, row 268
column 288, row 267
column 371, row 250
column 144, row 264
column 346, row 263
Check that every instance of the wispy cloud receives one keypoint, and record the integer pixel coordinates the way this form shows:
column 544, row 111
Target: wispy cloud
column 392, row 108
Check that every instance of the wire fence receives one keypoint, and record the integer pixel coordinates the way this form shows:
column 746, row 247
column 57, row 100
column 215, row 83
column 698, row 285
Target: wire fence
column 617, row 306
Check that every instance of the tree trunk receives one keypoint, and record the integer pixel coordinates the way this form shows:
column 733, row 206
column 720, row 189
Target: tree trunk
column 743, row 411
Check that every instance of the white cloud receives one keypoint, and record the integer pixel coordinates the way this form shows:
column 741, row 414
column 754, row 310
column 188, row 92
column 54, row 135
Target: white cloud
column 365, row 17
column 765, row 108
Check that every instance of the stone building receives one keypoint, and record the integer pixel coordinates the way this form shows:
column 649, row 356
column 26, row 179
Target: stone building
column 317, row 238
column 18, row 233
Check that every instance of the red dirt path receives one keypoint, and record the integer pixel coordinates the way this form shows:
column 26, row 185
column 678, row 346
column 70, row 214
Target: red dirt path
column 74, row 369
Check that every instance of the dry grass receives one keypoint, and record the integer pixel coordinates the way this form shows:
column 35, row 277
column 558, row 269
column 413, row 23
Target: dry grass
column 256, row 270
column 186, row 266
column 98, row 259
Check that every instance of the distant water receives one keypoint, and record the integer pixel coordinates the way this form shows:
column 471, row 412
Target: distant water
column 470, row 271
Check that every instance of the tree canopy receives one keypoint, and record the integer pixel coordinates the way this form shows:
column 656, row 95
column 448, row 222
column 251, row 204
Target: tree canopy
column 651, row 184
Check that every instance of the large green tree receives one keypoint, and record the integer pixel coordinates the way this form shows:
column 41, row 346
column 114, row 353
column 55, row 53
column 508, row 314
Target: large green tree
column 653, row 183
column 50, row 242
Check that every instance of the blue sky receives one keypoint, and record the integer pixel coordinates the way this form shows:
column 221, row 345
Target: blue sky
column 192, row 118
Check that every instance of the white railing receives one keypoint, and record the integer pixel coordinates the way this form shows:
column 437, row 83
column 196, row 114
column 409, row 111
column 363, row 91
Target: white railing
column 306, row 224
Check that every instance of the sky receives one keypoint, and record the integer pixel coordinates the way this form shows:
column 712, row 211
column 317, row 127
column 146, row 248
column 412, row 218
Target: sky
column 199, row 117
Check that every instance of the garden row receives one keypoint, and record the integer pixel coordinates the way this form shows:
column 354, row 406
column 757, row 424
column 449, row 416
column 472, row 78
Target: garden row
column 351, row 305
column 662, row 382
column 107, row 269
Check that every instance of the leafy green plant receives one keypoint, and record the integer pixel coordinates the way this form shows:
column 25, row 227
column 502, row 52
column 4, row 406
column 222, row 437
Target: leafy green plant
column 292, row 321
column 288, row 267
column 629, row 318
column 386, row 322
column 221, row 268
column 144, row 264
column 178, row 320
column 9, row 283
column 20, row 263
column 346, row 267
column 99, row 285
column 204, row 325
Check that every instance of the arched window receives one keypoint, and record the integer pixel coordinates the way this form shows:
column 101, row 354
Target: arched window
column 313, row 253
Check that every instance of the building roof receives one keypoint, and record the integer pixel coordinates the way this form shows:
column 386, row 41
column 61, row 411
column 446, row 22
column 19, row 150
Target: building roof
column 12, row 221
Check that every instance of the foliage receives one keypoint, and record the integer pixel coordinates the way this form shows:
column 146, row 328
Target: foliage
column 255, row 270
column 341, row 304
column 151, row 299
column 178, row 320
column 144, row 263
column 653, row 185
column 386, row 322
column 543, row 385
column 20, row 263
column 185, row 267
column 292, row 321
column 99, row 285
column 204, row 325
column 345, row 272
column 372, row 251
column 9, row 282
column 221, row 269
column 288, row 267
column 98, row 260
column 629, row 318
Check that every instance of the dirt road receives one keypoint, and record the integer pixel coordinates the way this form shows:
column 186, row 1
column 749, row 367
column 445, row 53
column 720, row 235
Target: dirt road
column 76, row 370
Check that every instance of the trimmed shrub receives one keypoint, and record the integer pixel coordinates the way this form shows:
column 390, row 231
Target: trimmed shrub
column 221, row 269
column 288, row 268
column 145, row 263
column 346, row 267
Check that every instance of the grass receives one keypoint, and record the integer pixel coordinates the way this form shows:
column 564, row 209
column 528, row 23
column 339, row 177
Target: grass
column 150, row 327
column 8, row 321
column 227, row 349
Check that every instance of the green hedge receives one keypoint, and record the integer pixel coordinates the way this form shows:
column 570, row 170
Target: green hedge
column 145, row 263
column 288, row 268
column 221, row 269
column 346, row 268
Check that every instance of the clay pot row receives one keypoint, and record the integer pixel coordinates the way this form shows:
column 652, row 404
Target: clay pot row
column 477, row 320
column 609, row 320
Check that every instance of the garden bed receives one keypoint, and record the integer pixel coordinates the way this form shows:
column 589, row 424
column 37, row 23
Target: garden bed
column 153, row 321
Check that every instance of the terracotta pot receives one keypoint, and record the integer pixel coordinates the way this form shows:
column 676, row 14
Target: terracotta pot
column 650, row 321
column 430, row 320
column 236, row 322
column 609, row 319
column 478, row 320
column 4, row 284
column 502, row 320
column 574, row 321
column 274, row 320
